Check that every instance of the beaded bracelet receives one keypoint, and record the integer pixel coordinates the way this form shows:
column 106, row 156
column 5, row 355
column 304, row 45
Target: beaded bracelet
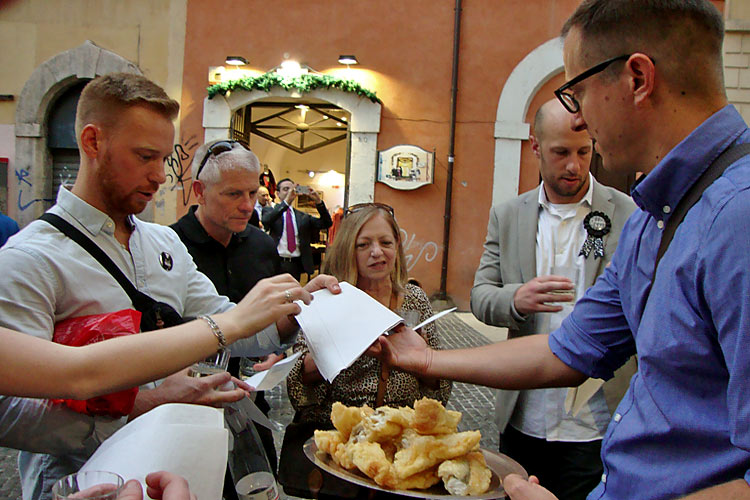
column 215, row 330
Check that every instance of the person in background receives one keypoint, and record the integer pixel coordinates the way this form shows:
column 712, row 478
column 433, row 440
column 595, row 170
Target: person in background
column 8, row 227
column 533, row 250
column 646, row 79
column 367, row 252
column 234, row 254
column 263, row 200
column 294, row 230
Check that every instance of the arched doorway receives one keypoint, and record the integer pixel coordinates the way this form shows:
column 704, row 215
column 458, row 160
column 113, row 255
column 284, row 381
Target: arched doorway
column 30, row 186
column 301, row 139
column 364, row 125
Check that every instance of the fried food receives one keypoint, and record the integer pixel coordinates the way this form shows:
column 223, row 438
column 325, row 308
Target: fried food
column 467, row 475
column 371, row 460
column 405, row 448
column 386, row 423
column 419, row 481
column 430, row 417
column 328, row 441
column 344, row 418
column 420, row 452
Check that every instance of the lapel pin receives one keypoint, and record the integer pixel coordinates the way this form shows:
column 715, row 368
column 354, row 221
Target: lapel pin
column 596, row 224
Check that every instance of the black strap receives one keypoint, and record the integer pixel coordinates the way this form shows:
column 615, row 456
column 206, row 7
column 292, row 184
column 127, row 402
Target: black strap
column 713, row 172
column 140, row 300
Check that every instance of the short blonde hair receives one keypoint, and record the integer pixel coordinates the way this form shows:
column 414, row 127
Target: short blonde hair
column 341, row 260
column 105, row 97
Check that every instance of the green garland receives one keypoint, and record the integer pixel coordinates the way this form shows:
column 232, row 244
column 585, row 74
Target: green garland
column 303, row 83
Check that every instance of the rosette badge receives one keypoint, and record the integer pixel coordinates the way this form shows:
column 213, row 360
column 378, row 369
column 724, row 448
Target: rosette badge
column 597, row 224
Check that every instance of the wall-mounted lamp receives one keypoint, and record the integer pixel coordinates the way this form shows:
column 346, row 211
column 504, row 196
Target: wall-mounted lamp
column 236, row 60
column 348, row 59
column 310, row 174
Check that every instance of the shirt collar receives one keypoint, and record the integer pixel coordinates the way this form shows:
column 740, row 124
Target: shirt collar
column 91, row 218
column 587, row 198
column 196, row 233
column 667, row 183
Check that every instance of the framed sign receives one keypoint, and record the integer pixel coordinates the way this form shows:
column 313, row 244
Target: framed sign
column 406, row 167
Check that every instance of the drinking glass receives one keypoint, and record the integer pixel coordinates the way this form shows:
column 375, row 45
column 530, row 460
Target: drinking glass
column 572, row 274
column 89, row 485
column 216, row 363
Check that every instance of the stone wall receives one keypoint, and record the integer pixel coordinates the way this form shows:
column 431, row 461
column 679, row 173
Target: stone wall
column 737, row 56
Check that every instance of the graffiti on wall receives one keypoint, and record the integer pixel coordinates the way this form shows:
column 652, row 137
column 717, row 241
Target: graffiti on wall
column 177, row 164
column 416, row 250
column 25, row 186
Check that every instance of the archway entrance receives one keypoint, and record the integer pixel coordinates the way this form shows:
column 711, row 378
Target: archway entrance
column 360, row 149
column 303, row 139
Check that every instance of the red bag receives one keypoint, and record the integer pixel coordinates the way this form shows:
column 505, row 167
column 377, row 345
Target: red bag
column 85, row 330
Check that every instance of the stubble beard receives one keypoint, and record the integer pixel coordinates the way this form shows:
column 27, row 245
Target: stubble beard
column 117, row 203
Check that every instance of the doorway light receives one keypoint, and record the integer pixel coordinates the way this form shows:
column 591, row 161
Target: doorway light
column 291, row 69
column 236, row 60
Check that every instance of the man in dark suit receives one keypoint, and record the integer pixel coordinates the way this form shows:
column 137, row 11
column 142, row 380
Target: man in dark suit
column 293, row 230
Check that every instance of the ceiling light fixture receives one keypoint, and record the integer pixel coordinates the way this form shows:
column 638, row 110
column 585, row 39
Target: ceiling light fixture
column 236, row 60
column 348, row 59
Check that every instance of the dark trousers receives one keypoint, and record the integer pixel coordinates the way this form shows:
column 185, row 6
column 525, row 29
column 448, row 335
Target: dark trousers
column 569, row 470
column 292, row 266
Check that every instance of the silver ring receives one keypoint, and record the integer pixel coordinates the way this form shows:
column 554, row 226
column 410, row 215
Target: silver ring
column 288, row 295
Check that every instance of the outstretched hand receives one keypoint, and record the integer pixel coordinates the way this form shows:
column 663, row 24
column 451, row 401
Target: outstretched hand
column 322, row 281
column 269, row 300
column 519, row 488
column 404, row 349
column 212, row 390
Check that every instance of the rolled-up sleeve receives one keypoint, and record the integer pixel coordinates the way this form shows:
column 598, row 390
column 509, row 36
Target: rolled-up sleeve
column 595, row 338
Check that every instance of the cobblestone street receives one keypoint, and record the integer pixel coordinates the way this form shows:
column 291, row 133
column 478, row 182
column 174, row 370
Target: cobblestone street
column 476, row 403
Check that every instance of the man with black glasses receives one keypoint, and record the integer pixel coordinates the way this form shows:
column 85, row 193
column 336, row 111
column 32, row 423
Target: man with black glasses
column 654, row 100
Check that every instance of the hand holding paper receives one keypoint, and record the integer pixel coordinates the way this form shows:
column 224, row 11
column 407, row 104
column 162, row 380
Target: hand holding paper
column 340, row 328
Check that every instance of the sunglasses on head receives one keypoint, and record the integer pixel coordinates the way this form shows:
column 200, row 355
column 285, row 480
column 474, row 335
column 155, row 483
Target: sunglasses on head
column 216, row 149
column 360, row 206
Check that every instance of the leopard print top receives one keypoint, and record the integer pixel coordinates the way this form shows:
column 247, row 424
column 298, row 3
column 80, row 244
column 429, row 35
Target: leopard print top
column 358, row 384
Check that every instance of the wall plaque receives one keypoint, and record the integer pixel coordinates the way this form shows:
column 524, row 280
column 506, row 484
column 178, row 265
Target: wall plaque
column 406, row 167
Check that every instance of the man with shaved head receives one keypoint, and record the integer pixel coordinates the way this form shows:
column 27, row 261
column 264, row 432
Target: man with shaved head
column 533, row 250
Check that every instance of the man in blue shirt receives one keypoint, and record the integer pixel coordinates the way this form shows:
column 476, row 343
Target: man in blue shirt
column 646, row 81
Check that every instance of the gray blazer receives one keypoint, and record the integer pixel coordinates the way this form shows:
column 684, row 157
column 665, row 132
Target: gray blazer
column 509, row 261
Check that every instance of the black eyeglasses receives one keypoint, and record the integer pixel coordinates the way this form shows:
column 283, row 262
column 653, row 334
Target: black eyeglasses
column 360, row 206
column 216, row 149
column 567, row 99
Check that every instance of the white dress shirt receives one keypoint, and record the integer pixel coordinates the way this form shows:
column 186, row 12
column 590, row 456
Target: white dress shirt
column 541, row 413
column 282, row 247
column 47, row 278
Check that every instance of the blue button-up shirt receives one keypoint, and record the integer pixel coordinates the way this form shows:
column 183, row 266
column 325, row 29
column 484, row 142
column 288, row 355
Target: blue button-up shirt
column 684, row 423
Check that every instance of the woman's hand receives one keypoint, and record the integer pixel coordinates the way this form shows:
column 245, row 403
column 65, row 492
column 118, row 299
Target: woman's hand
column 322, row 281
column 269, row 300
